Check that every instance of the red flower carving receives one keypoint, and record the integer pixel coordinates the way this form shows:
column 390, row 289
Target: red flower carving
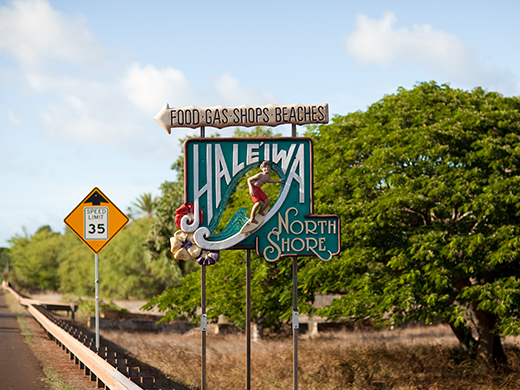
column 186, row 209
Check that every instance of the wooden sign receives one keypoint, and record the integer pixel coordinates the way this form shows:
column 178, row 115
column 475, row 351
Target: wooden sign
column 219, row 116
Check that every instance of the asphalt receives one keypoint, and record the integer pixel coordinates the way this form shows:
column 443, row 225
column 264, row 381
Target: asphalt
column 19, row 368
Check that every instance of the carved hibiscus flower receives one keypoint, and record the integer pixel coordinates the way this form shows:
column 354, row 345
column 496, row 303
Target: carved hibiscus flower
column 183, row 247
column 186, row 209
column 208, row 257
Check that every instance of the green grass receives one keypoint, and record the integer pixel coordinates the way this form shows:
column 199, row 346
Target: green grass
column 55, row 380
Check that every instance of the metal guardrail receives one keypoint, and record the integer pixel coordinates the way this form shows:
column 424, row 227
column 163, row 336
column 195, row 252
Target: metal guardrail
column 104, row 371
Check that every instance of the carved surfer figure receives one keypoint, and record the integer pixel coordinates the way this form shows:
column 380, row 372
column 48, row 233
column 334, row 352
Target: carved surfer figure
column 261, row 200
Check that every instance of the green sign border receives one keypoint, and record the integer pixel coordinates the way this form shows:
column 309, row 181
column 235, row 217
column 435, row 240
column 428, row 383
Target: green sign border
column 228, row 160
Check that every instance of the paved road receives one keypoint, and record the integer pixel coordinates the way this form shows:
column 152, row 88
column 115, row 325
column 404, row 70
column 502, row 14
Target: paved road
column 19, row 368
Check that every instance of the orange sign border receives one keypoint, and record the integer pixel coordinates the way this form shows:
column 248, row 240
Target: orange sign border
column 90, row 243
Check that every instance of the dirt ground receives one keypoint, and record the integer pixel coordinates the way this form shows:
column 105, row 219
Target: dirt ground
column 61, row 372
column 57, row 364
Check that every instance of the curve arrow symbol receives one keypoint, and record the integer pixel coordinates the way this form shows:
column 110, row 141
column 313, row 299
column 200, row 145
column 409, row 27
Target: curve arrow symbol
column 96, row 199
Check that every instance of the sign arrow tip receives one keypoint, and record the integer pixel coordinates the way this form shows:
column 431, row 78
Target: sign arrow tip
column 163, row 118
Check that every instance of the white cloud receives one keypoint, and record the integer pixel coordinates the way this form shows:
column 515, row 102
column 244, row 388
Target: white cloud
column 33, row 33
column 150, row 88
column 91, row 111
column 382, row 42
column 14, row 119
column 88, row 95
column 51, row 49
column 232, row 93
column 5, row 157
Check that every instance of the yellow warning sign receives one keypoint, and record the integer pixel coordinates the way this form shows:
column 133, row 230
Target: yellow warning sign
column 96, row 220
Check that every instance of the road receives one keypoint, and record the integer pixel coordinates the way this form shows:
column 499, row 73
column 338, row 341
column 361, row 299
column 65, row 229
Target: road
column 19, row 367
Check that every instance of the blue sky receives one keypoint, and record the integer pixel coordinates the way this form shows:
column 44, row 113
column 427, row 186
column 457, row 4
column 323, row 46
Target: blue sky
column 80, row 81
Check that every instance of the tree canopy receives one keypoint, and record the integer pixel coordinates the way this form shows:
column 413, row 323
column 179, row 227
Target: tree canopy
column 426, row 182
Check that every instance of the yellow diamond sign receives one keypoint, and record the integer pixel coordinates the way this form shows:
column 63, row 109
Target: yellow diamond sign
column 96, row 220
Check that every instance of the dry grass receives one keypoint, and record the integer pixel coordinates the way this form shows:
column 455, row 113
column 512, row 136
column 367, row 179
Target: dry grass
column 420, row 358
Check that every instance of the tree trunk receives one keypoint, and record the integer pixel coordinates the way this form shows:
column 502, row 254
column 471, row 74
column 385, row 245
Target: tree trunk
column 489, row 344
column 466, row 339
column 488, row 347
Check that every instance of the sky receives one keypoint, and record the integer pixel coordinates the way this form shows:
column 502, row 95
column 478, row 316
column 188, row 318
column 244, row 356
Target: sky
column 81, row 81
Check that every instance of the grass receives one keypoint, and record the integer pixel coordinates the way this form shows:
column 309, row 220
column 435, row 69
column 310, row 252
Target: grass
column 424, row 358
column 13, row 305
column 25, row 329
column 55, row 380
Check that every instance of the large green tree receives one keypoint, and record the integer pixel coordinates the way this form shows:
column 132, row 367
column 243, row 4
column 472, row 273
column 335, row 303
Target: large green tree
column 427, row 183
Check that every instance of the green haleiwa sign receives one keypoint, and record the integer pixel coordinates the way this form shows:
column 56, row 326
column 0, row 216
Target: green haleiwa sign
column 214, row 166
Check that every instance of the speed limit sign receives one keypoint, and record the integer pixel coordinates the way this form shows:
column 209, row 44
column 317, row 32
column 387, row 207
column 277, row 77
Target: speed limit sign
column 96, row 220
column 96, row 223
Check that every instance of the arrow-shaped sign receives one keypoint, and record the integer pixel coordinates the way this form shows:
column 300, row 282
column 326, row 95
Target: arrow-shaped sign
column 219, row 116
column 96, row 199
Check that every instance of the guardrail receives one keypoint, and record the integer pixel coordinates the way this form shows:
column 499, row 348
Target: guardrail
column 106, row 374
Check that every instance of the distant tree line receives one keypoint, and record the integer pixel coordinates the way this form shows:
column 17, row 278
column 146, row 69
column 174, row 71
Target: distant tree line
column 4, row 262
column 53, row 261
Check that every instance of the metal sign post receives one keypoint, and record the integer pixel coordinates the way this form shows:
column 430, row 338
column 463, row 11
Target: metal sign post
column 96, row 220
column 248, row 319
column 96, row 277
column 203, row 317
column 295, row 317
column 203, row 325
column 295, row 322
